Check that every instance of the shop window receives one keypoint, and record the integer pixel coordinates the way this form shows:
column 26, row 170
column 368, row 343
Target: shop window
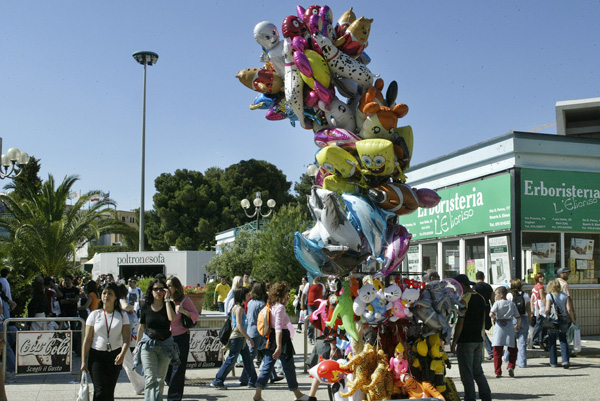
column 451, row 262
column 429, row 257
column 542, row 254
column 583, row 257
column 475, row 257
column 499, row 261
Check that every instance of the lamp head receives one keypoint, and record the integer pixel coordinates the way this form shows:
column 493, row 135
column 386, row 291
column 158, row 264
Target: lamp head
column 145, row 57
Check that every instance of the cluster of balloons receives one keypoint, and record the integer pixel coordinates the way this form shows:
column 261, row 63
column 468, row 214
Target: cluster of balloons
column 316, row 74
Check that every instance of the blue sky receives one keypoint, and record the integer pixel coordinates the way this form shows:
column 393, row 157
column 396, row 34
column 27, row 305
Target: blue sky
column 71, row 94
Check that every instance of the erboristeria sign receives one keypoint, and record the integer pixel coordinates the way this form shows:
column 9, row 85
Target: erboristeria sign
column 478, row 206
column 560, row 201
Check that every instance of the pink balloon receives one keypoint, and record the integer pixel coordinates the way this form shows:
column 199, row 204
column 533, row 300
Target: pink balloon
column 398, row 242
column 335, row 136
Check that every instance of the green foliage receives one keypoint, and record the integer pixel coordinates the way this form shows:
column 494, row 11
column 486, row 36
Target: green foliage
column 238, row 259
column 210, row 297
column 191, row 207
column 144, row 283
column 94, row 249
column 302, row 189
column 45, row 232
column 275, row 259
column 289, row 307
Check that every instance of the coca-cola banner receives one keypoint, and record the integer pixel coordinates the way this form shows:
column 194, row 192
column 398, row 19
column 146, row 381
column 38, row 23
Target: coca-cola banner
column 205, row 349
column 42, row 352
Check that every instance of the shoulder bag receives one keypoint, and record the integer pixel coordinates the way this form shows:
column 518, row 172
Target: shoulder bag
column 225, row 332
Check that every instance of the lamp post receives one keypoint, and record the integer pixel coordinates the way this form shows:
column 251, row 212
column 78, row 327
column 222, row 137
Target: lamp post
column 145, row 58
column 257, row 208
column 12, row 162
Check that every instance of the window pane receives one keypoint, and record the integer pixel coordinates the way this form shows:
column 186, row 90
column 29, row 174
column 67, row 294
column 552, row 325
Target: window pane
column 451, row 262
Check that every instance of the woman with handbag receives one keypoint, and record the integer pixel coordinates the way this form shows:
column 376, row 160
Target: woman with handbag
column 237, row 342
column 558, row 322
column 105, row 344
column 156, row 348
column 186, row 316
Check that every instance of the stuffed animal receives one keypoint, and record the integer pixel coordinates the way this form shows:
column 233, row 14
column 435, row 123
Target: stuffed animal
column 363, row 365
column 418, row 390
column 438, row 359
column 366, row 295
column 381, row 386
column 375, row 311
column 398, row 364
column 355, row 38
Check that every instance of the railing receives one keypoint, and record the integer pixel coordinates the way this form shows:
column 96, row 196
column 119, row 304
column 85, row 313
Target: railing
column 36, row 319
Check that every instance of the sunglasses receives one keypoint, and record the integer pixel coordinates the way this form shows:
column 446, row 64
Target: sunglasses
column 158, row 289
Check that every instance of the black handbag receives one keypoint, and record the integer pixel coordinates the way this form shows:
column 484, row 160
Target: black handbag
column 225, row 332
column 187, row 322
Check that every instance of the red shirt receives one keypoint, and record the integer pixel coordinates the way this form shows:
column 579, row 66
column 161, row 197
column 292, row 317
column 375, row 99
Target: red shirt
column 315, row 292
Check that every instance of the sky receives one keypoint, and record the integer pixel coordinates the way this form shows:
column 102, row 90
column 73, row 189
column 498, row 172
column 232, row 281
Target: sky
column 71, row 93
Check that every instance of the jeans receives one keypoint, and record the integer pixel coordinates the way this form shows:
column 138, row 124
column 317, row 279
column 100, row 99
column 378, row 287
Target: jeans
column 311, row 328
column 259, row 342
column 267, row 370
column 236, row 347
column 488, row 345
column 522, row 342
column 538, row 330
column 104, row 372
column 468, row 356
column 156, row 363
column 221, row 306
column 564, row 347
column 10, row 344
column 176, row 374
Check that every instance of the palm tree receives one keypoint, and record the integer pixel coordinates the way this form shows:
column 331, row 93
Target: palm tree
column 45, row 232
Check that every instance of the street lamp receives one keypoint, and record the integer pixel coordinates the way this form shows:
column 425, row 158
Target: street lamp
column 257, row 208
column 145, row 58
column 12, row 162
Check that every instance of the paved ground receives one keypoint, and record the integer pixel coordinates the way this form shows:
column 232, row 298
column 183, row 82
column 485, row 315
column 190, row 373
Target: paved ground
column 537, row 381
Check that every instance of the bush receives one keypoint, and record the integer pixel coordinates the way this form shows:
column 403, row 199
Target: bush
column 289, row 307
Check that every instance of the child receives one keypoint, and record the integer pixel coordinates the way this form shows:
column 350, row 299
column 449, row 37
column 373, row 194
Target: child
column 502, row 313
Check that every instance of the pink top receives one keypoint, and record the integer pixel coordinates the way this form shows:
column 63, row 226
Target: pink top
column 177, row 328
column 280, row 320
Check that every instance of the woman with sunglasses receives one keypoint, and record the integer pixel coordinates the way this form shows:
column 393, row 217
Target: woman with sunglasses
column 106, row 342
column 181, row 335
column 156, row 348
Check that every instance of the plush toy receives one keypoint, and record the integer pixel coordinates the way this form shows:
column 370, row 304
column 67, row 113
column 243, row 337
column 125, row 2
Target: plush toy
column 418, row 390
column 344, row 311
column 267, row 35
column 375, row 311
column 355, row 38
column 398, row 364
column 409, row 297
column 366, row 295
column 381, row 386
column 438, row 359
column 342, row 64
column 363, row 365
column 433, row 320
column 393, row 295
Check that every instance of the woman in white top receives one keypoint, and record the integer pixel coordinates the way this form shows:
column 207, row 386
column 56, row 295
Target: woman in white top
column 236, row 283
column 106, row 343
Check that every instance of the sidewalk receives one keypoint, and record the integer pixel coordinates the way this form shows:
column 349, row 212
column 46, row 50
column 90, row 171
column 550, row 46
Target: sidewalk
column 538, row 380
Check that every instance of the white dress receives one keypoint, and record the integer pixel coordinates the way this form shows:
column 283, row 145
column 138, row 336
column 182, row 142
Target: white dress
column 504, row 330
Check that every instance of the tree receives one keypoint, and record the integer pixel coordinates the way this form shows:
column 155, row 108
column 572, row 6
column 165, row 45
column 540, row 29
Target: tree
column 28, row 177
column 275, row 259
column 302, row 189
column 45, row 232
column 238, row 259
column 192, row 207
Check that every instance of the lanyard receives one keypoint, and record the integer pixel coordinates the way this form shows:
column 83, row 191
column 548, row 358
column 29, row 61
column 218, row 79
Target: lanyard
column 109, row 348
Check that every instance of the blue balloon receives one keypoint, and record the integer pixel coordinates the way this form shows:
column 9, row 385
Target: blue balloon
column 367, row 219
column 309, row 254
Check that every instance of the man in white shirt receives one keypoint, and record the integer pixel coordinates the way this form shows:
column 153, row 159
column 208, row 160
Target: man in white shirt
column 134, row 297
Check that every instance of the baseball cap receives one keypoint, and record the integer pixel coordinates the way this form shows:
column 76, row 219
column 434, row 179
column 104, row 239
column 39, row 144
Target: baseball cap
column 563, row 270
column 464, row 280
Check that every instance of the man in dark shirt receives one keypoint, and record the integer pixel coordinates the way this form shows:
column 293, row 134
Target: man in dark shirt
column 68, row 306
column 467, row 342
column 487, row 292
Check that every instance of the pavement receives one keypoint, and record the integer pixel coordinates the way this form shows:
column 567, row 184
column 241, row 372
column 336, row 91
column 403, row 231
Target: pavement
column 537, row 381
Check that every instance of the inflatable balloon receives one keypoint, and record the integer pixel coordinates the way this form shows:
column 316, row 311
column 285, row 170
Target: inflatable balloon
column 293, row 84
column 398, row 241
column 344, row 310
column 327, row 371
column 428, row 198
column 395, row 197
column 355, row 38
column 381, row 121
column 337, row 161
column 367, row 220
column 293, row 26
column 344, row 21
column 339, row 137
column 319, row 316
column 339, row 115
column 376, row 157
column 342, row 64
column 267, row 36
column 261, row 80
column 309, row 255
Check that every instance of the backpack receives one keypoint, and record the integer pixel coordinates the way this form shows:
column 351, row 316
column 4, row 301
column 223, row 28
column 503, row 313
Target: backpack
column 225, row 331
column 519, row 301
column 263, row 321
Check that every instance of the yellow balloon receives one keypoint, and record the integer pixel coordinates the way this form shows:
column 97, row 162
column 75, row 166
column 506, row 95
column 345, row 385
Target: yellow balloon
column 376, row 156
column 320, row 70
column 337, row 161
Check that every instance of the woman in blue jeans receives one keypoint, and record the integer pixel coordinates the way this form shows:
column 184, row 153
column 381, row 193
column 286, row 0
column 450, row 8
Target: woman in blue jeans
column 563, row 308
column 237, row 342
column 279, row 344
column 156, row 348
